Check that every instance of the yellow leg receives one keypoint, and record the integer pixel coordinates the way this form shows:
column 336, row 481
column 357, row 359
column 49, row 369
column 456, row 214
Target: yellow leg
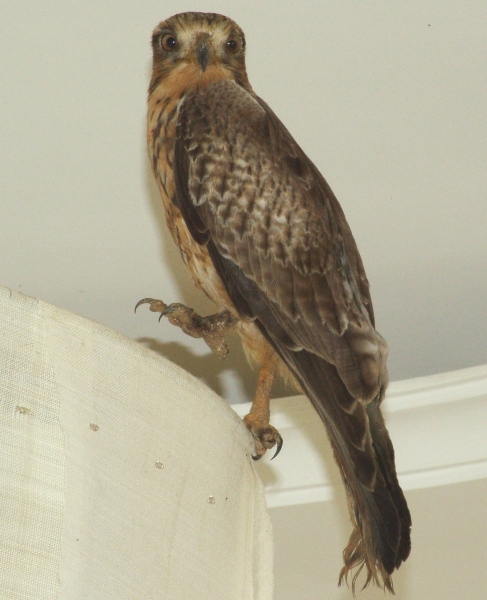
column 257, row 421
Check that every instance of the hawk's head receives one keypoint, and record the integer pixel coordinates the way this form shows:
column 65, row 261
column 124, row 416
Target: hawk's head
column 198, row 48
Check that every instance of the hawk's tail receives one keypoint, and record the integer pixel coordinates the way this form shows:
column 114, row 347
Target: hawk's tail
column 364, row 453
column 363, row 450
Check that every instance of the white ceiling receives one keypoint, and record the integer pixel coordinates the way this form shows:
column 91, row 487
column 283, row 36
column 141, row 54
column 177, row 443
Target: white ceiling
column 389, row 100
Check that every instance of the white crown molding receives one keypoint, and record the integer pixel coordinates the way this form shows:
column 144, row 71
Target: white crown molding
column 438, row 425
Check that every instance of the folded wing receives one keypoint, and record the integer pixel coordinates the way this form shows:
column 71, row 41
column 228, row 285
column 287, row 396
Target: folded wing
column 280, row 243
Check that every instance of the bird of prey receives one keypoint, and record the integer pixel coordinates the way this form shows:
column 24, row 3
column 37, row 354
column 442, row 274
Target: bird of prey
column 264, row 237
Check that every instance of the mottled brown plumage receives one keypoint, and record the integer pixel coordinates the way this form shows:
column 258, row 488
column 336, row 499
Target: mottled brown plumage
column 263, row 235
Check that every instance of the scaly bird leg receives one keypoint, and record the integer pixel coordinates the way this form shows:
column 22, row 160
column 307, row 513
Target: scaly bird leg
column 211, row 328
column 257, row 421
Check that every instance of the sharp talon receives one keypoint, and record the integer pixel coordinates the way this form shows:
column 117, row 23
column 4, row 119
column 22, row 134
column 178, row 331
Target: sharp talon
column 143, row 301
column 278, row 447
column 168, row 310
column 173, row 307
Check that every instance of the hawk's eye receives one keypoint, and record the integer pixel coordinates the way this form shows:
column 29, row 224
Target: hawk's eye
column 233, row 45
column 169, row 42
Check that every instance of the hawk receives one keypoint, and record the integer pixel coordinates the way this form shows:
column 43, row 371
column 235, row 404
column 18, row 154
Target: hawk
column 264, row 237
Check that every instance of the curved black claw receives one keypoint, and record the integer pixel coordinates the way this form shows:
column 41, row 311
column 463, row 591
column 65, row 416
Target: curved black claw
column 171, row 308
column 143, row 301
column 279, row 443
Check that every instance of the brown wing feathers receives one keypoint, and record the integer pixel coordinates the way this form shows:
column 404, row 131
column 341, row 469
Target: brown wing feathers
column 380, row 539
column 283, row 249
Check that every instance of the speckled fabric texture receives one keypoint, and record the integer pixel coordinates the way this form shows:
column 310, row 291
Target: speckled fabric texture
column 121, row 476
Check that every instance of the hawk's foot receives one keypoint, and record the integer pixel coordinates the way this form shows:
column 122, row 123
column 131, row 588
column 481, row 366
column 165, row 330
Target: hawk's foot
column 265, row 436
column 211, row 328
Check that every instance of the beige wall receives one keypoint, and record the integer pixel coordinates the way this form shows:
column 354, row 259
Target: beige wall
column 447, row 561
column 387, row 98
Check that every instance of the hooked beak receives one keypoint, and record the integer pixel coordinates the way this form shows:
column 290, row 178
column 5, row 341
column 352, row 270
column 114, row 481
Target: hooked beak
column 203, row 55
